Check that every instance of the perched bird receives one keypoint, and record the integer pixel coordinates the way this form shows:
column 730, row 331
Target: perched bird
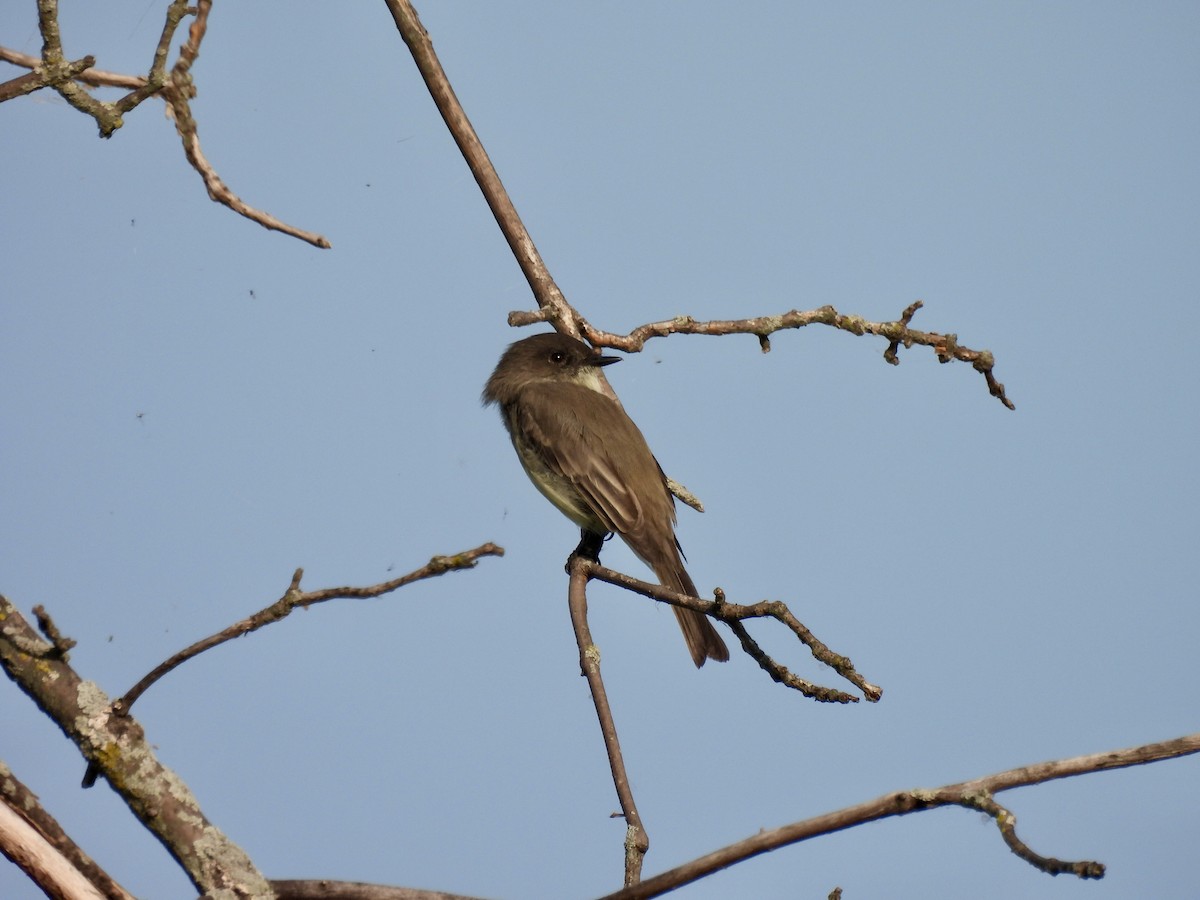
column 582, row 451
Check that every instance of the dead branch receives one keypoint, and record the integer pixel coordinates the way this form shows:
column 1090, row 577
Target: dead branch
column 292, row 598
column 944, row 346
column 327, row 889
column 178, row 93
column 54, row 862
column 176, row 88
column 549, row 298
column 637, row 841
column 976, row 794
column 117, row 746
column 734, row 614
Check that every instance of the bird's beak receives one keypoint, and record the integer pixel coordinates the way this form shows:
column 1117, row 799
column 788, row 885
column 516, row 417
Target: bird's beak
column 604, row 360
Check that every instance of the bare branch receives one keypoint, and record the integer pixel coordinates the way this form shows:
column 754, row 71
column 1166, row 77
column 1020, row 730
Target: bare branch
column 43, row 76
column 54, row 69
column 178, row 92
column 89, row 76
column 177, row 89
column 118, row 748
column 61, row 644
column 968, row 794
column 292, row 598
column 637, row 841
column 550, row 299
column 42, row 863
column 733, row 614
column 23, row 803
column 158, row 68
column 945, row 346
column 327, row 889
column 553, row 306
column 1007, row 823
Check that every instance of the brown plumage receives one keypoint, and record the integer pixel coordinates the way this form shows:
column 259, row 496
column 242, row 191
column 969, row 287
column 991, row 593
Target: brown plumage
column 588, row 458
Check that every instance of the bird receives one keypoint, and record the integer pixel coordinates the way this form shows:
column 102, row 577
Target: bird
column 587, row 457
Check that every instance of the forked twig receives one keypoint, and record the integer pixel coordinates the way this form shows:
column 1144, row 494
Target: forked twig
column 178, row 93
column 976, row 794
column 67, row 856
column 945, row 346
column 733, row 614
column 176, row 88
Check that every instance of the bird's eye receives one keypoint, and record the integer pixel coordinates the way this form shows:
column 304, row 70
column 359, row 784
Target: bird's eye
column 558, row 357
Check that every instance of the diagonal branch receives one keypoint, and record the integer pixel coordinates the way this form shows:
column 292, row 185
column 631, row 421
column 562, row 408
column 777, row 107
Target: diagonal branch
column 89, row 76
column 118, row 748
column 733, row 614
column 179, row 92
column 54, row 861
column 292, row 598
column 42, row 76
column 176, row 88
column 549, row 298
column 974, row 794
column 553, row 306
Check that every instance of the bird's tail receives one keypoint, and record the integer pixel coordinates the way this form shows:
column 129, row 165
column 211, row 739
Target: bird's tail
column 702, row 639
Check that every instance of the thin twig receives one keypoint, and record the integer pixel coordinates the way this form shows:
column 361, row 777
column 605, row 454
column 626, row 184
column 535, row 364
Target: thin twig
column 967, row 794
column 157, row 76
column 89, row 76
column 177, row 89
column 898, row 333
column 292, row 598
column 733, row 614
column 178, row 92
column 637, row 841
column 60, row 642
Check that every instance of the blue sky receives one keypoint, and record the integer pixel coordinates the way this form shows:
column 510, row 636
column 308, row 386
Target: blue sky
column 194, row 406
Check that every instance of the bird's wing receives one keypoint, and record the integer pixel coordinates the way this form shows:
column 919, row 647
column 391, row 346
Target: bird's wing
column 595, row 452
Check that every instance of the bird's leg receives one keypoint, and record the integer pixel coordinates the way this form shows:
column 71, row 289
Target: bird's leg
column 589, row 546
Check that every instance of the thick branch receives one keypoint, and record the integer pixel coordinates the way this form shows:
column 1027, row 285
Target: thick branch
column 24, row 804
column 41, row 861
column 327, row 889
column 118, row 748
